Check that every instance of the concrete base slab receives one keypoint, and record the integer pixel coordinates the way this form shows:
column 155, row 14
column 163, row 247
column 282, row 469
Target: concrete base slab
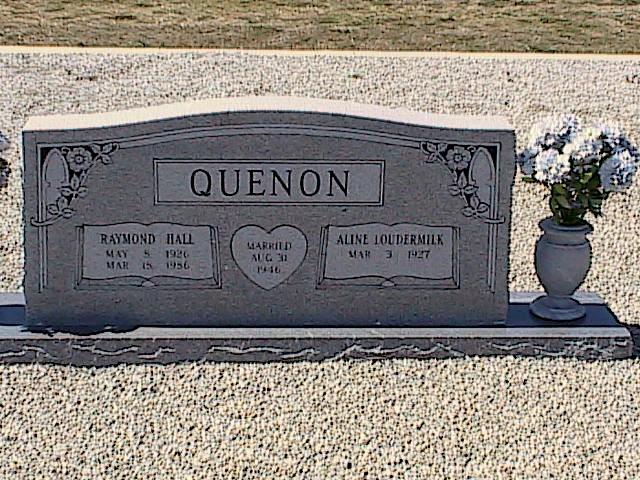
column 597, row 336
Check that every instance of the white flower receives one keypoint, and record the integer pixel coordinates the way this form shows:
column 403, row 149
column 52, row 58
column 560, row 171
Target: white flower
column 592, row 133
column 526, row 160
column 616, row 173
column 554, row 132
column 570, row 127
column 552, row 167
column 584, row 151
column 616, row 138
column 609, row 130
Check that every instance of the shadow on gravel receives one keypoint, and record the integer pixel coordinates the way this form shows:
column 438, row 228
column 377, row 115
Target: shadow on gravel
column 5, row 170
column 635, row 334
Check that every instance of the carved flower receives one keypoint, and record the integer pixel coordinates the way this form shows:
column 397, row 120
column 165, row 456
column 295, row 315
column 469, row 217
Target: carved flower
column 73, row 189
column 79, row 159
column 458, row 158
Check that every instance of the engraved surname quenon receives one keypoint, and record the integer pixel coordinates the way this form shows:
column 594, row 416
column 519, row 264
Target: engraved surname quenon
column 260, row 182
column 269, row 182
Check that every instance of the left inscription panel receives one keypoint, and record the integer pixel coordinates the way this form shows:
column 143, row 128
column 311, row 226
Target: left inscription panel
column 155, row 255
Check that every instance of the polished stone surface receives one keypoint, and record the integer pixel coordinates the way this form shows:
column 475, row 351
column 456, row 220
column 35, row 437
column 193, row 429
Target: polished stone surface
column 266, row 212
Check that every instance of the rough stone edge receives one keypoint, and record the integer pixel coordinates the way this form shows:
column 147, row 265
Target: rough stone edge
column 90, row 351
column 170, row 345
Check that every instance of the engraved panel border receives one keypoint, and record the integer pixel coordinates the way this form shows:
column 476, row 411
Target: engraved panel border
column 129, row 281
column 379, row 202
column 368, row 135
column 409, row 282
column 268, row 232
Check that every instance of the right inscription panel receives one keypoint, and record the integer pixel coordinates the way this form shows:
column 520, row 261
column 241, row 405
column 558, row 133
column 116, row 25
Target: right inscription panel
column 405, row 255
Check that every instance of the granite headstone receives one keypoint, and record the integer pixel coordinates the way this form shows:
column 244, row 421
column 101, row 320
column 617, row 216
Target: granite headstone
column 266, row 212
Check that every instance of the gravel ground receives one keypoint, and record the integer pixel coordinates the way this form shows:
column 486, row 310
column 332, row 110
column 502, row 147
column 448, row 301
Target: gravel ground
column 456, row 419
column 474, row 418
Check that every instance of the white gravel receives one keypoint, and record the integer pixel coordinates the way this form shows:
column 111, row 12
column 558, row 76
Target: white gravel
column 474, row 418
column 460, row 419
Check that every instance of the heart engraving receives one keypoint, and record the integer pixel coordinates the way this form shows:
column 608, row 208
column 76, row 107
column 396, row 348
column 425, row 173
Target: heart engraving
column 268, row 258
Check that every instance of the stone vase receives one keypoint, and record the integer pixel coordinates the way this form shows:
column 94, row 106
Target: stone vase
column 562, row 259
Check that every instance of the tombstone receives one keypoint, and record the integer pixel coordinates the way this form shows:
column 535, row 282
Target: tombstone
column 267, row 213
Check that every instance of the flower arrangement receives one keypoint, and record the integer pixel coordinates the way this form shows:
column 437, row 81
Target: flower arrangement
column 582, row 167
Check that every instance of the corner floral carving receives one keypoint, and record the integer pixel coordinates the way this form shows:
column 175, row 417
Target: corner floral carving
column 460, row 161
column 70, row 183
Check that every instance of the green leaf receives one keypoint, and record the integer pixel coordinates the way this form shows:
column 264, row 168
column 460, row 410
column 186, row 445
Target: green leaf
column 529, row 180
column 594, row 182
column 583, row 199
column 562, row 201
column 559, row 189
column 586, row 177
column 595, row 203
